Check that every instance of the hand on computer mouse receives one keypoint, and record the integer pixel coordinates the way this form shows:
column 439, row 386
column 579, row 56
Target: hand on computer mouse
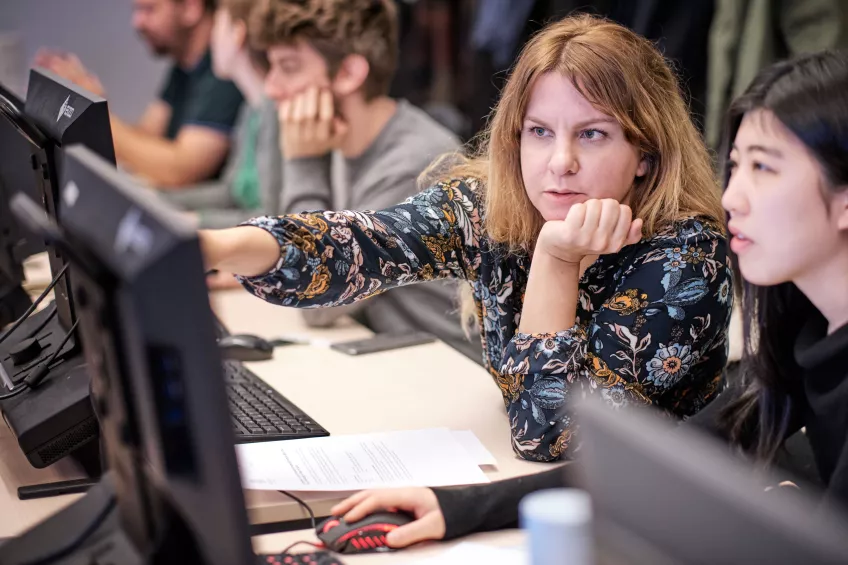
column 422, row 503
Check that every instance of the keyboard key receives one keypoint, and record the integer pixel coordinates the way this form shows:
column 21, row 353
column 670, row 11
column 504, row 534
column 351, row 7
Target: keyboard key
column 257, row 410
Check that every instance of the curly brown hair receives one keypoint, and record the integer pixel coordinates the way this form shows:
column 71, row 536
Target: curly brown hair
column 336, row 29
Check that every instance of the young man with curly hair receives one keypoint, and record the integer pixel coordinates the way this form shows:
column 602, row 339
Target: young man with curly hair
column 346, row 144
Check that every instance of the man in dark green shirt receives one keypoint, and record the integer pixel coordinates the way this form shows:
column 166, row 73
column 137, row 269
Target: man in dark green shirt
column 198, row 98
column 184, row 136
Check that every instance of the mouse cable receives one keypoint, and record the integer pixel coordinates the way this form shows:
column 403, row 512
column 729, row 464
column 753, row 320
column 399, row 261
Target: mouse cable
column 80, row 539
column 42, row 369
column 34, row 305
column 304, row 505
column 297, row 543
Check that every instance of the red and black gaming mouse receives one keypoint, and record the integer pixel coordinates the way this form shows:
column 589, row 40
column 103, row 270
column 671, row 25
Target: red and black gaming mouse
column 366, row 535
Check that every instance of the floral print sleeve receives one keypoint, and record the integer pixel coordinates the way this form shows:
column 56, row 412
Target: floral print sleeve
column 651, row 319
column 335, row 258
column 651, row 329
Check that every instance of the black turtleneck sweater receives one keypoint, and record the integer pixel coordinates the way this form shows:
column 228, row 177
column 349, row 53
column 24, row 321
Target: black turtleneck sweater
column 824, row 408
column 821, row 406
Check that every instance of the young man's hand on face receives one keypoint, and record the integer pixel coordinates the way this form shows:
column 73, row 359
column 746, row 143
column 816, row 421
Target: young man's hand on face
column 309, row 126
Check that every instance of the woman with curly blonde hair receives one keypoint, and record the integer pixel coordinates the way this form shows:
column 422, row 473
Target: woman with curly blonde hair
column 589, row 227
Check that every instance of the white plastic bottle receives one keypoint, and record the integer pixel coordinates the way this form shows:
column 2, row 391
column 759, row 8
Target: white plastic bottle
column 558, row 524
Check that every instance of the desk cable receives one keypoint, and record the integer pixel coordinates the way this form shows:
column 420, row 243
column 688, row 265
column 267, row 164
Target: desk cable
column 33, row 306
column 41, row 370
column 304, row 506
column 311, row 518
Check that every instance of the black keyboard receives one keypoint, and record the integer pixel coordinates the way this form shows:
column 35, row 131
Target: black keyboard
column 260, row 413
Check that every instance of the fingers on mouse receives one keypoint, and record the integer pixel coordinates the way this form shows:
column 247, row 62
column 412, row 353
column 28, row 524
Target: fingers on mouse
column 365, row 536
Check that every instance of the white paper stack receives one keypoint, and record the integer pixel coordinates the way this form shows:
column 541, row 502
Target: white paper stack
column 431, row 458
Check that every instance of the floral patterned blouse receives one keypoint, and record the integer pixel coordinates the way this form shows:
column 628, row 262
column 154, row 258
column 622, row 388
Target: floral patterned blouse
column 651, row 320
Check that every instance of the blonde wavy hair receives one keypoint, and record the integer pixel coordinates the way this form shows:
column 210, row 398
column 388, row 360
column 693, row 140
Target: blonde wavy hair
column 623, row 75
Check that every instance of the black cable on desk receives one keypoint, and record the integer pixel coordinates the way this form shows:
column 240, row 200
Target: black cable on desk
column 304, row 505
column 14, row 392
column 34, row 305
column 34, row 378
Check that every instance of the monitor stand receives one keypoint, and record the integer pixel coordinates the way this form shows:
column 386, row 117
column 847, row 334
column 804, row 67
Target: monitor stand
column 88, row 457
column 89, row 532
column 55, row 419
column 86, row 532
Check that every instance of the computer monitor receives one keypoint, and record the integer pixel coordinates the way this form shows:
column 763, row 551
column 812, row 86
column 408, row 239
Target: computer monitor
column 19, row 140
column 156, row 369
column 55, row 419
column 66, row 114
column 666, row 494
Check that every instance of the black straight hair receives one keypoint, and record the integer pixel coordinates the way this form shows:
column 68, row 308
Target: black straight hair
column 809, row 96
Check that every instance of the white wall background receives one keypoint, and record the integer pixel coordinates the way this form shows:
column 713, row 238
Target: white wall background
column 98, row 31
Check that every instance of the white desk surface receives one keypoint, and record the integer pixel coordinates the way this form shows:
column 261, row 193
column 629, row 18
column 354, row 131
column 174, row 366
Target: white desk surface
column 419, row 387
column 425, row 386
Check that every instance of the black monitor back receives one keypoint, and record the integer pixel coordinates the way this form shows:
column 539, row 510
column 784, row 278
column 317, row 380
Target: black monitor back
column 665, row 495
column 23, row 145
column 66, row 114
column 156, row 370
